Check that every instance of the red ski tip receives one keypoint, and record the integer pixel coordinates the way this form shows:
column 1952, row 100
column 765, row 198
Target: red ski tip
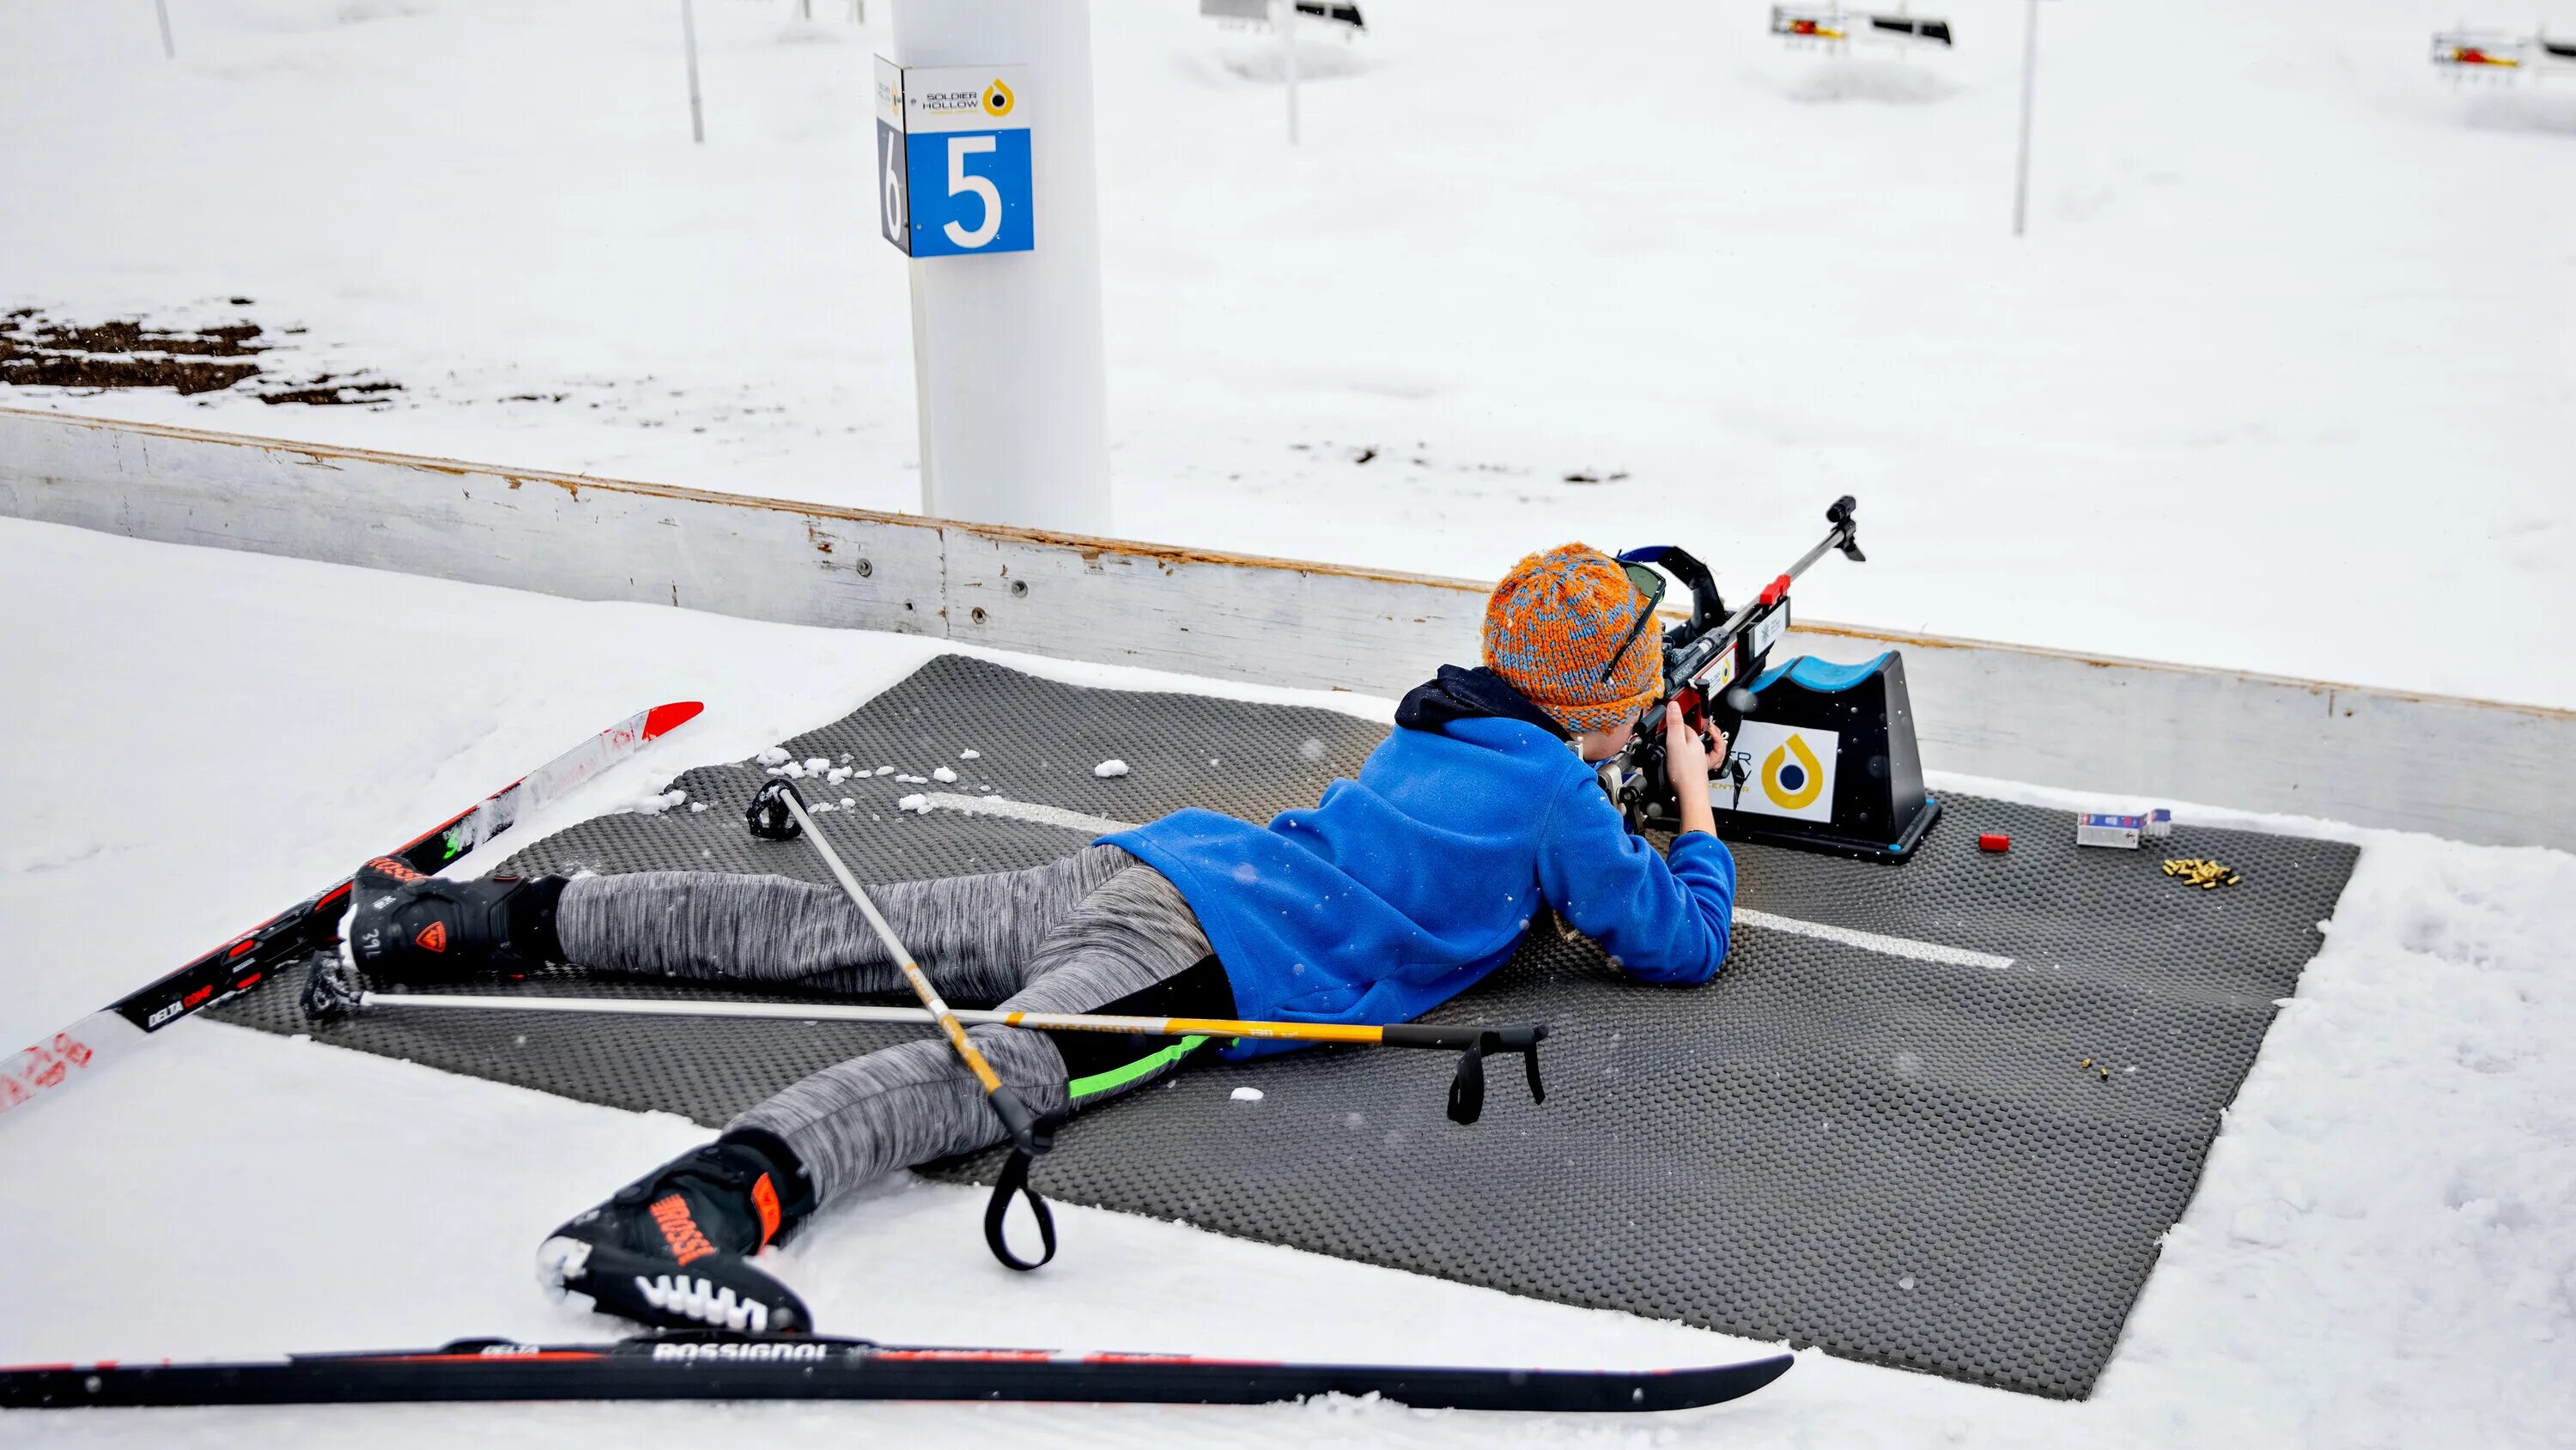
column 662, row 719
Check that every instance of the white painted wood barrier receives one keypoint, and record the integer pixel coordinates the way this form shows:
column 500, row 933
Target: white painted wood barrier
column 2469, row 769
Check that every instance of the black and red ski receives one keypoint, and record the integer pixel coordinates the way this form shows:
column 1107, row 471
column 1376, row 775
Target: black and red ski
column 703, row 1365
column 78, row 1051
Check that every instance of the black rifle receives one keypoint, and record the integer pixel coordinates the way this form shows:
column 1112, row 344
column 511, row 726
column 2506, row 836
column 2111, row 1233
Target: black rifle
column 1709, row 660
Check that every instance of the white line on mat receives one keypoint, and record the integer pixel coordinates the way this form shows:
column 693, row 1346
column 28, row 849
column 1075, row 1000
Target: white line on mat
column 993, row 805
column 1868, row 941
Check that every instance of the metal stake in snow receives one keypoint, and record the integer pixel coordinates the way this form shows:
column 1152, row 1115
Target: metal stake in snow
column 2029, row 73
column 689, row 42
column 1286, row 12
column 169, row 48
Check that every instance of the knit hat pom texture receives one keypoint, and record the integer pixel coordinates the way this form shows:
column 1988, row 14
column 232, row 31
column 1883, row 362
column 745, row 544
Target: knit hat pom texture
column 1554, row 622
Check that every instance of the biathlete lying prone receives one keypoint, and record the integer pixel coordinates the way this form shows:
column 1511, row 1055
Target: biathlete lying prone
column 1394, row 893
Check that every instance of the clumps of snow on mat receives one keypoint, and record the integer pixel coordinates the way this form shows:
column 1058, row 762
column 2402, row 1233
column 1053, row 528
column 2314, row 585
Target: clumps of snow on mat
column 1110, row 769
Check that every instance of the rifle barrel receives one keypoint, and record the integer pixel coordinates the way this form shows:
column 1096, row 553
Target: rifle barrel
column 1735, row 621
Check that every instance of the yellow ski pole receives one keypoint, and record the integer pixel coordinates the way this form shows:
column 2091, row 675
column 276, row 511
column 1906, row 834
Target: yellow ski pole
column 1473, row 1042
column 778, row 814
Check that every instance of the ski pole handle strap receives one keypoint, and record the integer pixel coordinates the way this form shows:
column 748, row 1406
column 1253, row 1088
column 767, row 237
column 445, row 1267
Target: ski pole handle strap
column 1467, row 1089
column 1015, row 1180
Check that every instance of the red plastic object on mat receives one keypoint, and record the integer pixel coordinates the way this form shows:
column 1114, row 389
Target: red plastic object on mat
column 1994, row 841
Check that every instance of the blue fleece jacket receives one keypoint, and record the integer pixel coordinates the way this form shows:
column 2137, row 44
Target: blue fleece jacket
column 1403, row 888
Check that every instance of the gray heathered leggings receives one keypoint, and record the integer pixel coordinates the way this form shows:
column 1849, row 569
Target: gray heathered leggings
column 1069, row 937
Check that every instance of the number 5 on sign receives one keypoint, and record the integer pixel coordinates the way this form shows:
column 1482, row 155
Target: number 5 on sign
column 967, row 239
column 952, row 160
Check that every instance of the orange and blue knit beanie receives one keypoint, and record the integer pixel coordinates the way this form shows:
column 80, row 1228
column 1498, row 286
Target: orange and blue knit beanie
column 1553, row 623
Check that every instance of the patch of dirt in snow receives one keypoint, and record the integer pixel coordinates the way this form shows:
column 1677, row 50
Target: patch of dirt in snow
column 1420, row 462
column 37, row 351
column 327, row 388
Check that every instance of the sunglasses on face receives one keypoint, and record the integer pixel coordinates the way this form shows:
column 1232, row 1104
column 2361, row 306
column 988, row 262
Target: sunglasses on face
column 1650, row 583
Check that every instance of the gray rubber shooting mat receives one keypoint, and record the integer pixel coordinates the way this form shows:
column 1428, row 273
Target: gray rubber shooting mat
column 1901, row 1160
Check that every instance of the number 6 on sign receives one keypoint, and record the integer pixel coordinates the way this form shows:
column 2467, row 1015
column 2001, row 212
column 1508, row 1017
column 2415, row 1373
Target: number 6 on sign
column 961, row 185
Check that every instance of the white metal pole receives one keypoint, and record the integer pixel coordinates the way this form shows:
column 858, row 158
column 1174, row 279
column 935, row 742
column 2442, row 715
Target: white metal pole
column 689, row 41
column 1007, row 360
column 2029, row 73
column 1288, row 60
column 169, row 48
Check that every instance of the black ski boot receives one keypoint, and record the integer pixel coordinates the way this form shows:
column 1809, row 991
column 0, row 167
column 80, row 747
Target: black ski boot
column 673, row 1250
column 406, row 927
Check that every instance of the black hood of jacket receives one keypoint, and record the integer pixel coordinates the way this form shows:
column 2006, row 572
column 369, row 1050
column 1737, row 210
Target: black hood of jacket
column 1477, row 694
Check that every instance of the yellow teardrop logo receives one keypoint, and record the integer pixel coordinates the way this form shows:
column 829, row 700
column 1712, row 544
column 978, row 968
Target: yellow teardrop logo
column 998, row 100
column 1792, row 784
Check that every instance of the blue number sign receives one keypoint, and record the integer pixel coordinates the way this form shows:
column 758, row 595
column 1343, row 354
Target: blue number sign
column 952, row 160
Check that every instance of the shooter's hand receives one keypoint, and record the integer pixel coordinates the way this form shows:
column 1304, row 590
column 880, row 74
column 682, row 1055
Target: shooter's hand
column 1685, row 754
column 1686, row 766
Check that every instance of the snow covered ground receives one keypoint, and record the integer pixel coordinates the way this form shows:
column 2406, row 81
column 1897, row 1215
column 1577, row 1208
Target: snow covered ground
column 2382, row 1251
column 2291, row 343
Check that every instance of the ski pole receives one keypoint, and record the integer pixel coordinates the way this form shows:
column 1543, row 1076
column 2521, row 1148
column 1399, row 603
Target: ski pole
column 777, row 813
column 332, row 998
